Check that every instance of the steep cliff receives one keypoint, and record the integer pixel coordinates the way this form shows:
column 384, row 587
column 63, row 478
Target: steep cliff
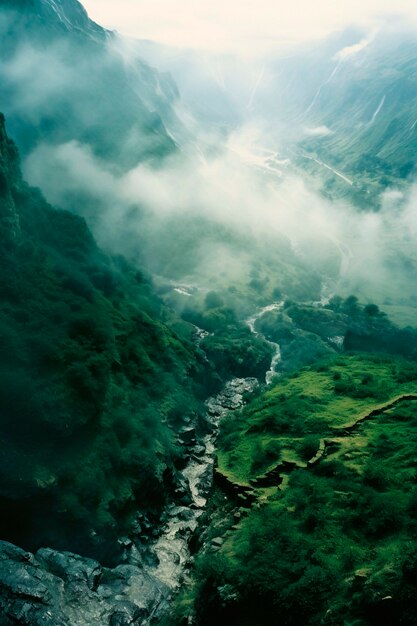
column 9, row 174
column 93, row 382
column 64, row 78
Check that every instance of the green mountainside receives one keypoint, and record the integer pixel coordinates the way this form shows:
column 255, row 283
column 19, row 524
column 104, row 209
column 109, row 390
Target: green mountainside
column 64, row 78
column 320, row 524
column 120, row 376
column 369, row 109
column 94, row 379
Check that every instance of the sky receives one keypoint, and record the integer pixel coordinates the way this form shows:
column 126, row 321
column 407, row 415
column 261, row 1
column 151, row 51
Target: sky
column 237, row 25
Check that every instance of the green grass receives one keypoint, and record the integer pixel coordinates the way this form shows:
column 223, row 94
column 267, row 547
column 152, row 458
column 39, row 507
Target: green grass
column 336, row 537
column 306, row 404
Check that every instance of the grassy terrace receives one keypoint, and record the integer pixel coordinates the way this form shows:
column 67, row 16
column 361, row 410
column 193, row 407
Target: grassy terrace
column 288, row 422
column 334, row 543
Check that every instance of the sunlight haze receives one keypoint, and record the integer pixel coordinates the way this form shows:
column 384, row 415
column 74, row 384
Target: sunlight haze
column 248, row 26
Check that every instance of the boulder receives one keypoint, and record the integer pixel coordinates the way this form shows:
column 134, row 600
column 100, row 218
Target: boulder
column 29, row 595
column 70, row 567
column 127, row 613
column 188, row 436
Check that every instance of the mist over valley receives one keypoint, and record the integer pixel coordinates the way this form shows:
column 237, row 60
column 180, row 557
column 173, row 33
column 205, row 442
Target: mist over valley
column 208, row 323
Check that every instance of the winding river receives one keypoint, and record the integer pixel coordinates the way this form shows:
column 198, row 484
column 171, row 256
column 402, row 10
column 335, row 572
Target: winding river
column 171, row 549
column 65, row 589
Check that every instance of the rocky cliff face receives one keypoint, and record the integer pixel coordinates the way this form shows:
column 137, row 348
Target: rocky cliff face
column 63, row 589
column 9, row 177
column 58, row 15
column 64, row 78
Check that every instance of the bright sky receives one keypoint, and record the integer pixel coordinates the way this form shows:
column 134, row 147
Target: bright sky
column 224, row 25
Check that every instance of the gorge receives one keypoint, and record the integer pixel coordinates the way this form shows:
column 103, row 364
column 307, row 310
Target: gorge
column 208, row 328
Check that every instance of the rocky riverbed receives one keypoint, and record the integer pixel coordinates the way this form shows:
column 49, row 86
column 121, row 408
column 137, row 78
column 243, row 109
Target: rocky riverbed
column 60, row 588
column 64, row 589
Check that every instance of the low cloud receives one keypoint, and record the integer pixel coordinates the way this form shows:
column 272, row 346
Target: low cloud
column 229, row 194
column 350, row 51
column 318, row 131
column 242, row 196
column 247, row 28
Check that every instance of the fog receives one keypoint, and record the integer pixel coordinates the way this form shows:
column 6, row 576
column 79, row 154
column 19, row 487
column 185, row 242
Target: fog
column 369, row 254
column 246, row 28
column 230, row 198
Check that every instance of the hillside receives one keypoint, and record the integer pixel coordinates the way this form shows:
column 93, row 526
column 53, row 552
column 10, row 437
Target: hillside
column 371, row 118
column 64, row 78
column 355, row 113
column 95, row 382
column 208, row 321
column 321, row 518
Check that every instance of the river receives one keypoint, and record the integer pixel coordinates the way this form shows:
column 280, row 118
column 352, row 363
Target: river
column 64, row 589
column 172, row 547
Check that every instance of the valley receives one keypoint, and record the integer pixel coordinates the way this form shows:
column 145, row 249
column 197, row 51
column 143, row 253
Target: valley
column 208, row 328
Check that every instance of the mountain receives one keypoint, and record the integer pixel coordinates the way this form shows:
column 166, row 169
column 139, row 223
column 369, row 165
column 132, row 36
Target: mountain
column 346, row 111
column 213, row 88
column 94, row 381
column 57, row 16
column 343, row 109
column 64, row 78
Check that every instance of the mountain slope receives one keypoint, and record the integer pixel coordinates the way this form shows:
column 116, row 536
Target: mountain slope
column 369, row 107
column 57, row 15
column 351, row 105
column 321, row 517
column 93, row 383
column 64, row 78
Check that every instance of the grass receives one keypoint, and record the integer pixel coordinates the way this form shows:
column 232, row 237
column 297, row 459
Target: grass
column 330, row 546
column 336, row 537
column 274, row 426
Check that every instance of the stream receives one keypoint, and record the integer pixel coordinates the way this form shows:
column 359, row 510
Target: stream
column 172, row 547
column 64, row 589
column 276, row 355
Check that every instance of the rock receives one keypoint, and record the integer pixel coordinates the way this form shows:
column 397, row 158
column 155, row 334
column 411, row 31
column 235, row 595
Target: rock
column 197, row 459
column 199, row 451
column 127, row 613
column 26, row 614
column 123, row 577
column 206, row 479
column 71, row 567
column 125, row 543
column 29, row 595
column 183, row 498
column 362, row 575
column 177, row 484
column 217, row 542
column 9, row 551
column 117, row 579
column 231, row 397
column 184, row 514
column 182, row 490
column 188, row 436
column 64, row 589
column 23, row 581
column 145, row 523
